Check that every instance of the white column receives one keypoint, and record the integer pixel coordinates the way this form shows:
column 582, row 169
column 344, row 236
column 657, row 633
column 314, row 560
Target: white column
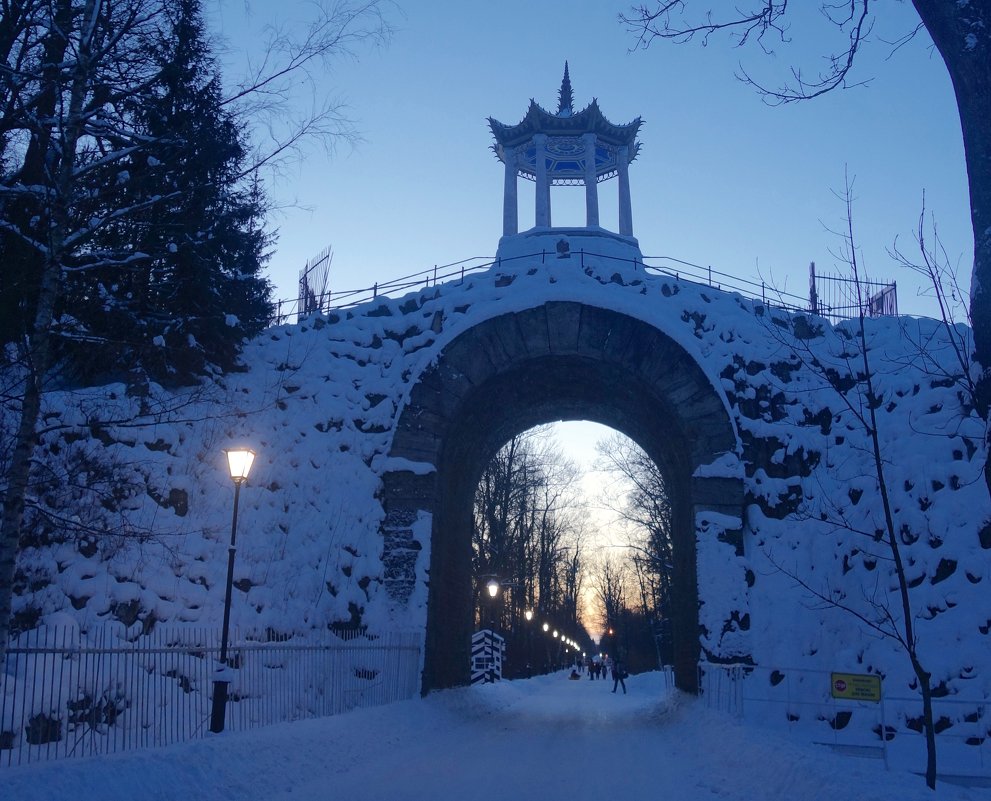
column 542, row 202
column 591, row 185
column 625, row 206
column 510, row 214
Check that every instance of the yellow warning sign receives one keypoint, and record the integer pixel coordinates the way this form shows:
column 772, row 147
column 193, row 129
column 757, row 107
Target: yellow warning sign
column 855, row 686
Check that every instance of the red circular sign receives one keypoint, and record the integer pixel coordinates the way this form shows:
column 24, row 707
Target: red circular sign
column 840, row 685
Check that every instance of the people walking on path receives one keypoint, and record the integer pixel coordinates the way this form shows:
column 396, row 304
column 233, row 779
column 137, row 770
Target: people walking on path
column 619, row 675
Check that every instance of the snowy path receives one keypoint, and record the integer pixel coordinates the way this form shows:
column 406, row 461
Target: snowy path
column 544, row 739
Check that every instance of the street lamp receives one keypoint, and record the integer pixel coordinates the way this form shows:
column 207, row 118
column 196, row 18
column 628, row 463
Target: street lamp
column 238, row 464
column 528, row 614
column 493, row 588
column 546, row 626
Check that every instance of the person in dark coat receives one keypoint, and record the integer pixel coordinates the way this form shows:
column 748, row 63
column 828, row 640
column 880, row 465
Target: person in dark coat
column 619, row 675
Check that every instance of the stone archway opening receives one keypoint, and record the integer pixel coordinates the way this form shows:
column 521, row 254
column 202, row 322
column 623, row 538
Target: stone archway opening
column 570, row 527
column 559, row 361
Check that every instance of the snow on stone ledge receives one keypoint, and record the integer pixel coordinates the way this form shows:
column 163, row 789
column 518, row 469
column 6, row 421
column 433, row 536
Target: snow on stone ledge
column 728, row 465
column 398, row 464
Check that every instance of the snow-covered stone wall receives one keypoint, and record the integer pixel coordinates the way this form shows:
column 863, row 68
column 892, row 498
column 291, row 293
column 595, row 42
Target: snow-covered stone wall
column 131, row 521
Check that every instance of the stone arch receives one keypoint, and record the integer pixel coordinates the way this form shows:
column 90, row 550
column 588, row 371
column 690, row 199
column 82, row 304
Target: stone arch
column 557, row 361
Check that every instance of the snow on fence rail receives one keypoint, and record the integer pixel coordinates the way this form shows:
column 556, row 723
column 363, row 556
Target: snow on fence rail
column 64, row 693
column 800, row 700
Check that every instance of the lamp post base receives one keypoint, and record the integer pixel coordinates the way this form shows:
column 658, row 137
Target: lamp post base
column 219, row 712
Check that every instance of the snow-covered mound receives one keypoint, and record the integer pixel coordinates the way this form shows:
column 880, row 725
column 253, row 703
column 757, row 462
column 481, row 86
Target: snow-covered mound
column 137, row 504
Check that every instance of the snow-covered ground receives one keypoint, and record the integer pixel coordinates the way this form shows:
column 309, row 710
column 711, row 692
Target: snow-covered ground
column 547, row 738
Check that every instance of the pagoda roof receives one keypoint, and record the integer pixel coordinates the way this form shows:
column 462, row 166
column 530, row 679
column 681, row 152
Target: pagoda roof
column 565, row 156
column 589, row 120
column 566, row 122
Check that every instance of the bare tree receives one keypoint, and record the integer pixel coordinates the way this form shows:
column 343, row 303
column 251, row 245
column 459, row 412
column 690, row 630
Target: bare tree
column 528, row 527
column 855, row 388
column 961, row 33
column 290, row 65
column 930, row 260
column 638, row 497
column 611, row 586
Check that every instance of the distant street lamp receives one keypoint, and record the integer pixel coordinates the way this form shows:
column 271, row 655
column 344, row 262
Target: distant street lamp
column 546, row 626
column 528, row 614
column 239, row 464
column 493, row 588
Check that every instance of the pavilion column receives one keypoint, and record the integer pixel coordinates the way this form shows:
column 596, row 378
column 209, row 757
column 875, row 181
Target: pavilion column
column 591, row 184
column 625, row 206
column 510, row 213
column 542, row 202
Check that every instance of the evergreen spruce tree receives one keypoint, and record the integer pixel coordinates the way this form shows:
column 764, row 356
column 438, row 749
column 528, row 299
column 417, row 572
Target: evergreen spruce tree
column 192, row 288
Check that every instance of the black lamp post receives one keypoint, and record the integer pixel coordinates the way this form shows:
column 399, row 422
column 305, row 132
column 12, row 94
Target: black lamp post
column 528, row 614
column 239, row 463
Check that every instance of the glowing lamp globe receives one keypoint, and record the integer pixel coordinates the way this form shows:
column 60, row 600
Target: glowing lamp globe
column 239, row 462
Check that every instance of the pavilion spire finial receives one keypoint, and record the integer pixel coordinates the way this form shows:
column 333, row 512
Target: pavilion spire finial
column 565, row 107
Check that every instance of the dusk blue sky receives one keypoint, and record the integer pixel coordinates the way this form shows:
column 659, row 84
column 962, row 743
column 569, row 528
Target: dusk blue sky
column 722, row 179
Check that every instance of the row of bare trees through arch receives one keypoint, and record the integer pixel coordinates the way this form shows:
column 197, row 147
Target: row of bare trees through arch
column 594, row 567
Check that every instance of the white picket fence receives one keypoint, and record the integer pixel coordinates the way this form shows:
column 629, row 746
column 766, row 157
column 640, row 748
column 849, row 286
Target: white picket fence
column 799, row 701
column 65, row 694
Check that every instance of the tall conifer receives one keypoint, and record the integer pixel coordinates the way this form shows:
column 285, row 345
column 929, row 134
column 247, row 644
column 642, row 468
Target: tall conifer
column 194, row 287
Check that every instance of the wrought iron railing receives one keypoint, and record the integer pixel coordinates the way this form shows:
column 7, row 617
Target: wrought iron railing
column 64, row 694
column 293, row 309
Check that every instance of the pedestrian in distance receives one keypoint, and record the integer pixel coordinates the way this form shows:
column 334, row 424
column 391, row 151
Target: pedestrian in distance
column 619, row 675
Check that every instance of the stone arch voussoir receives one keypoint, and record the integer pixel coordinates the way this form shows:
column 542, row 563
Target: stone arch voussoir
column 566, row 360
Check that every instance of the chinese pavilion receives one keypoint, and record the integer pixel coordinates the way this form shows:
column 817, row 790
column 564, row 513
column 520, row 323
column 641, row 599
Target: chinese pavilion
column 566, row 148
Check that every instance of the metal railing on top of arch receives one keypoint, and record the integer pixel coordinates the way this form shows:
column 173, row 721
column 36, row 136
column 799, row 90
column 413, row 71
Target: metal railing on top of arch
column 678, row 269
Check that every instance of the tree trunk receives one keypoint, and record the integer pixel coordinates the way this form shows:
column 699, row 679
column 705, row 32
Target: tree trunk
column 962, row 35
column 908, row 628
column 38, row 339
column 928, row 723
column 19, row 472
